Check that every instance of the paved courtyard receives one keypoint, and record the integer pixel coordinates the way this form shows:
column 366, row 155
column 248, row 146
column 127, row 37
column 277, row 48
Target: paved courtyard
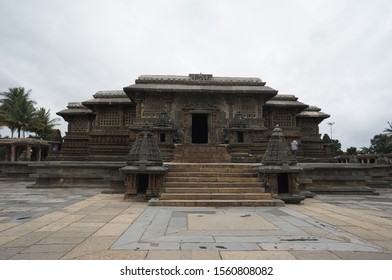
column 85, row 224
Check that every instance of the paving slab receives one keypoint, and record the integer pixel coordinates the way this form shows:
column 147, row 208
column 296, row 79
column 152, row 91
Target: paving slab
column 38, row 256
column 112, row 229
column 183, row 255
column 114, row 255
column 91, row 245
column 314, row 255
column 256, row 255
column 220, row 246
column 27, row 240
column 362, row 255
column 228, row 221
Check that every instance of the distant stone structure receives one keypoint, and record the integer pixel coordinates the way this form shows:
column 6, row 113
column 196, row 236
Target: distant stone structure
column 231, row 115
column 25, row 149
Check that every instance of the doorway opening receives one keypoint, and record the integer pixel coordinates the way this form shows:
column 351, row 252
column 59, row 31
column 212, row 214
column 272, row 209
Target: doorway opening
column 200, row 128
column 283, row 183
column 142, row 185
column 240, row 137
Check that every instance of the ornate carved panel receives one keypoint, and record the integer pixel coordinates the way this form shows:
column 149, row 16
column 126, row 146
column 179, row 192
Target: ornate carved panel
column 109, row 116
column 153, row 104
column 79, row 125
column 247, row 106
column 129, row 116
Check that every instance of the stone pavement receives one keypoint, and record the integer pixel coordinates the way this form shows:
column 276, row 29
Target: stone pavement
column 85, row 224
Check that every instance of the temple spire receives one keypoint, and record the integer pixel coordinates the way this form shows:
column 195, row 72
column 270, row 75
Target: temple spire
column 278, row 152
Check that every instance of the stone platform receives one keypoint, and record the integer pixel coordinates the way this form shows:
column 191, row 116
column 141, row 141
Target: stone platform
column 83, row 223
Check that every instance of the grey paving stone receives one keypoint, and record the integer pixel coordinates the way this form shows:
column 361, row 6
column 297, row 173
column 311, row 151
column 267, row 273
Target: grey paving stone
column 238, row 246
column 158, row 225
column 363, row 255
column 38, row 256
column 27, row 240
column 49, row 248
column 61, row 240
column 185, row 238
column 149, row 246
column 314, row 255
column 135, row 232
column 8, row 253
column 317, row 246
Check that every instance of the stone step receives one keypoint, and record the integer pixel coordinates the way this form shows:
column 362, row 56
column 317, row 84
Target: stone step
column 210, row 179
column 215, row 196
column 200, row 167
column 201, row 153
column 212, row 184
column 217, row 203
column 215, row 190
column 212, row 174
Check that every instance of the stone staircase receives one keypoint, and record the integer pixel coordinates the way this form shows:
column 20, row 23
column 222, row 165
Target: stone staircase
column 201, row 154
column 213, row 185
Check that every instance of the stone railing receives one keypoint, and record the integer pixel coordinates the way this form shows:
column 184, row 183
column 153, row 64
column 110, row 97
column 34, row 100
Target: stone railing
column 366, row 159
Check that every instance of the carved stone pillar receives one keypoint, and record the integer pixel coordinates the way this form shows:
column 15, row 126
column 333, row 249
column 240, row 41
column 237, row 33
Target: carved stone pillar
column 230, row 102
column 39, row 153
column 260, row 102
column 13, row 153
column 138, row 101
column 186, row 126
column 28, row 152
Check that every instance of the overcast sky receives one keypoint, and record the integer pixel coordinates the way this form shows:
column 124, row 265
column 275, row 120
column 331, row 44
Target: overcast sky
column 334, row 54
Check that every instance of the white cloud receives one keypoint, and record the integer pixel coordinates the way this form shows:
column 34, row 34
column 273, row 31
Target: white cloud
column 333, row 54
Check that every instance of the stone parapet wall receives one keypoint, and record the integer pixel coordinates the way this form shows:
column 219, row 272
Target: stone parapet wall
column 344, row 178
column 69, row 174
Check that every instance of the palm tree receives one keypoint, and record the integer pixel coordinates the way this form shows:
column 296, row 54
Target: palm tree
column 16, row 110
column 43, row 126
column 389, row 130
column 389, row 133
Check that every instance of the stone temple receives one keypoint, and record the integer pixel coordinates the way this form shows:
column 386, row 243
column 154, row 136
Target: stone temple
column 195, row 118
column 195, row 140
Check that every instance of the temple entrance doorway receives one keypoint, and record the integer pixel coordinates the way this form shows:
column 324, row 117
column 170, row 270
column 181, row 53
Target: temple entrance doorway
column 142, row 183
column 199, row 128
column 283, row 183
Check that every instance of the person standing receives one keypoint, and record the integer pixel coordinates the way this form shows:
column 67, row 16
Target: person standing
column 294, row 147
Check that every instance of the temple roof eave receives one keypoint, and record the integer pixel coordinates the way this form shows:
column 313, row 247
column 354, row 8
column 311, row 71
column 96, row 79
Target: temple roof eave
column 193, row 79
column 199, row 89
column 107, row 101
column 23, row 141
column 75, row 112
column 286, row 103
column 319, row 115
column 110, row 94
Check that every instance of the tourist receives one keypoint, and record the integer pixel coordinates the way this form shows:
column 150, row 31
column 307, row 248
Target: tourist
column 294, row 148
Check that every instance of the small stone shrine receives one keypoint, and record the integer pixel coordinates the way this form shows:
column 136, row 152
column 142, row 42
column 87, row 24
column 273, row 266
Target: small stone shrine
column 144, row 172
column 280, row 173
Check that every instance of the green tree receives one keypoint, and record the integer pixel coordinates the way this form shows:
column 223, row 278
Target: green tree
column 337, row 147
column 17, row 110
column 43, row 125
column 351, row 151
column 381, row 143
column 366, row 150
